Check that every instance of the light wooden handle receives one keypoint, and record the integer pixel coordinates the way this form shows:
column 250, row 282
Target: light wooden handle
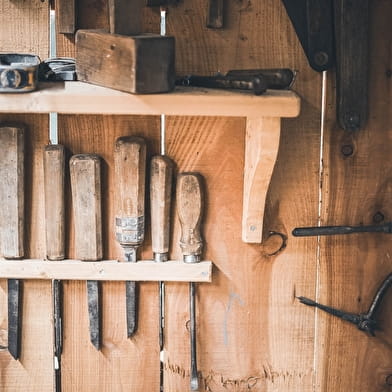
column 54, row 167
column 12, row 191
column 130, row 177
column 85, row 171
column 160, row 199
column 189, row 209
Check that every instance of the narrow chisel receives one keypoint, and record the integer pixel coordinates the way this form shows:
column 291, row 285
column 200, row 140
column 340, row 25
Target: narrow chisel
column 189, row 209
column 130, row 177
column 85, row 171
column 12, row 222
column 160, row 200
column 54, row 168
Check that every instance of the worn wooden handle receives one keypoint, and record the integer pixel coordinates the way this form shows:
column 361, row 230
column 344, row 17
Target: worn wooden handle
column 12, row 191
column 352, row 62
column 160, row 199
column 54, row 167
column 189, row 209
column 85, row 172
column 125, row 16
column 130, row 177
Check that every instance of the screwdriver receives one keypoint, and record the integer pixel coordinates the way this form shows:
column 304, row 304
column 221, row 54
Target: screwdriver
column 160, row 200
column 189, row 208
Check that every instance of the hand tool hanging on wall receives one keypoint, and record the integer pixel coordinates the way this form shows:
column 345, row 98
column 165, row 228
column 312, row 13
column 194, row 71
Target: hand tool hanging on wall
column 215, row 14
column 12, row 222
column 54, row 167
column 130, row 178
column 140, row 64
column 66, row 12
column 365, row 322
column 333, row 230
column 316, row 22
column 189, row 209
column 160, row 200
column 256, row 80
column 54, row 176
column 85, row 172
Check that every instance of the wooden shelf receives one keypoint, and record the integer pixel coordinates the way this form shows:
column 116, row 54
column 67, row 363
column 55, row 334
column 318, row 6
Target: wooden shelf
column 174, row 271
column 262, row 113
column 79, row 97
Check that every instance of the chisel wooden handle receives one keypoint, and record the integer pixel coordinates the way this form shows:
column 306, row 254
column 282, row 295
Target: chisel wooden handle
column 125, row 16
column 85, row 172
column 189, row 209
column 130, row 175
column 54, row 167
column 12, row 192
column 160, row 198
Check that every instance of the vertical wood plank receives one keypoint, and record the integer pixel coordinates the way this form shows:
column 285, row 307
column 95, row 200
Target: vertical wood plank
column 356, row 191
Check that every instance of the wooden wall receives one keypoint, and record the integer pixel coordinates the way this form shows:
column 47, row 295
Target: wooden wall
column 253, row 334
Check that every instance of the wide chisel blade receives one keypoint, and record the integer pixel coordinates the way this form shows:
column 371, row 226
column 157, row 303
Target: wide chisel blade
column 14, row 316
column 12, row 221
column 86, row 197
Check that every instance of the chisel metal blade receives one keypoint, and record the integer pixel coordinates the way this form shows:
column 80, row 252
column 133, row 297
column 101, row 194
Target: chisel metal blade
column 131, row 292
column 14, row 316
column 94, row 312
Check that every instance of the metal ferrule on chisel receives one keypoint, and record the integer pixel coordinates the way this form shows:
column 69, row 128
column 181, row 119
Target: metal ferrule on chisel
column 130, row 230
column 191, row 258
column 161, row 257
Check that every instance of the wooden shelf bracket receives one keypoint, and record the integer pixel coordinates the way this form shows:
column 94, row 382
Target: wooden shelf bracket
column 261, row 149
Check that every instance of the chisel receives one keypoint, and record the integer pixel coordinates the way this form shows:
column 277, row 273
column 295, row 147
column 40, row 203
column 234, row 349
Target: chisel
column 189, row 210
column 12, row 222
column 54, row 168
column 130, row 177
column 160, row 199
column 85, row 172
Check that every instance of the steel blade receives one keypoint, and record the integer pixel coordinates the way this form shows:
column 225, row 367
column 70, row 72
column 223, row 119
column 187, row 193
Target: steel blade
column 94, row 312
column 14, row 316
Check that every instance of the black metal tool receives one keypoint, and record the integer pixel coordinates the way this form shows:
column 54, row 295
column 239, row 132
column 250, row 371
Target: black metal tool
column 316, row 23
column 18, row 72
column 276, row 78
column 365, row 322
column 333, row 230
column 255, row 83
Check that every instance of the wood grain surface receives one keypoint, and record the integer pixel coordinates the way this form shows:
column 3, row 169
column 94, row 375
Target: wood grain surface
column 253, row 334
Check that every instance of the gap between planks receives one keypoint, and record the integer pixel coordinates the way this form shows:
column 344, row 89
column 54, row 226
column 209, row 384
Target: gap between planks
column 108, row 270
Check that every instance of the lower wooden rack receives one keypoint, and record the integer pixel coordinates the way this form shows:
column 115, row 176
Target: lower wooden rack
column 143, row 270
